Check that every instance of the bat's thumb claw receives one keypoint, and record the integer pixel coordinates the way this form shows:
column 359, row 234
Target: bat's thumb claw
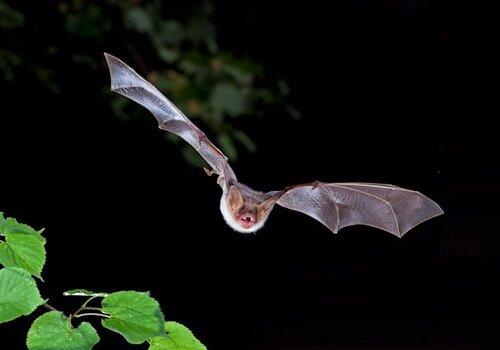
column 208, row 172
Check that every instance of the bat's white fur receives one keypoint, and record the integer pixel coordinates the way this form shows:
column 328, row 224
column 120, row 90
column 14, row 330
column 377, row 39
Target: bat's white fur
column 232, row 222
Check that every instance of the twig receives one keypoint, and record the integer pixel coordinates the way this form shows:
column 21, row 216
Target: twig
column 91, row 314
column 51, row 308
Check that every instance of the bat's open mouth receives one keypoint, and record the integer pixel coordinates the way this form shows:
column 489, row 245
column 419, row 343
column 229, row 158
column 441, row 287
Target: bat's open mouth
column 247, row 221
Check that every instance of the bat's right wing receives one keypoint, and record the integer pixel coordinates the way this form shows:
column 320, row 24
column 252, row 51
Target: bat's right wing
column 127, row 82
column 337, row 205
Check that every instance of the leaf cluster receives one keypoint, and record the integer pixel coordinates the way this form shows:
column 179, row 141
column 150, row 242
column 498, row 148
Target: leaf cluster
column 184, row 60
column 135, row 315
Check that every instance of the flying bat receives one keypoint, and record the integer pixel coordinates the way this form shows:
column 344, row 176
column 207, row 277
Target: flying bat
column 336, row 205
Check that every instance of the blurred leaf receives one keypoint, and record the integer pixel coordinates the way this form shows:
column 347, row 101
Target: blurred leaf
column 46, row 75
column 172, row 32
column 118, row 105
column 201, row 30
column 181, row 55
column 245, row 140
column 87, row 21
column 228, row 99
column 10, row 18
column 228, row 146
column 168, row 55
column 242, row 65
column 240, row 76
column 138, row 19
column 87, row 60
column 267, row 96
column 293, row 112
column 283, row 87
column 192, row 157
column 189, row 66
column 173, row 138
column 8, row 61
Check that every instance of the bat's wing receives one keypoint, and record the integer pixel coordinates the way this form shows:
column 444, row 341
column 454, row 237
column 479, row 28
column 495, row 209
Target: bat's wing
column 127, row 82
column 337, row 205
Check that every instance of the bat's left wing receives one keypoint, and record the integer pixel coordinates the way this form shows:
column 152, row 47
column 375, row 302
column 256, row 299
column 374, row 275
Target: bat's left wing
column 337, row 205
column 127, row 82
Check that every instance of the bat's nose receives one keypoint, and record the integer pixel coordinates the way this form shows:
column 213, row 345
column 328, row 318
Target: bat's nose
column 247, row 221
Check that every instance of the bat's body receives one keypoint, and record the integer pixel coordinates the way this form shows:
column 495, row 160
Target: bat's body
column 336, row 205
column 248, row 221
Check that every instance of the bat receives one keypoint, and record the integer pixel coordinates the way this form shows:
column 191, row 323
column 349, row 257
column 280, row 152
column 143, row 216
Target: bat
column 336, row 205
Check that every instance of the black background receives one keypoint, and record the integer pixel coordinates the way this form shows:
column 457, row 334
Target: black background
column 390, row 91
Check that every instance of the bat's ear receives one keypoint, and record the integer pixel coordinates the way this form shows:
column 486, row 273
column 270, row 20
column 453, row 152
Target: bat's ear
column 235, row 198
column 265, row 208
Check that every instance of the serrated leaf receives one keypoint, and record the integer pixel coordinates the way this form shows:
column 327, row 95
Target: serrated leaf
column 53, row 330
column 178, row 337
column 24, row 251
column 83, row 293
column 134, row 315
column 10, row 225
column 18, row 294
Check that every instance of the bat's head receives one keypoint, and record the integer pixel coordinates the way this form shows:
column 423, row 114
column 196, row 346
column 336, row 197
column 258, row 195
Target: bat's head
column 244, row 215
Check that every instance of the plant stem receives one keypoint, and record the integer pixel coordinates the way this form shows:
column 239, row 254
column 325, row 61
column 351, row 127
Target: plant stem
column 51, row 308
column 91, row 308
column 91, row 314
column 88, row 300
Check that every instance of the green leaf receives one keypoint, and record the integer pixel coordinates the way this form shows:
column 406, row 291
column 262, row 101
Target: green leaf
column 24, row 251
column 227, row 98
column 179, row 338
column 53, row 331
column 83, row 293
column 18, row 294
column 10, row 225
column 134, row 315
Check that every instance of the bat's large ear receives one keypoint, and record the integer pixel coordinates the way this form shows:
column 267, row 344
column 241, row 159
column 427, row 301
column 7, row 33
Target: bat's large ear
column 235, row 198
column 265, row 208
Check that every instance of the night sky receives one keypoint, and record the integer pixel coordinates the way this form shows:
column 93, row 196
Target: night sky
column 389, row 92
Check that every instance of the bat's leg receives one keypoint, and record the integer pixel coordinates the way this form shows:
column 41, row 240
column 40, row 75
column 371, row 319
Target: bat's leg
column 208, row 172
